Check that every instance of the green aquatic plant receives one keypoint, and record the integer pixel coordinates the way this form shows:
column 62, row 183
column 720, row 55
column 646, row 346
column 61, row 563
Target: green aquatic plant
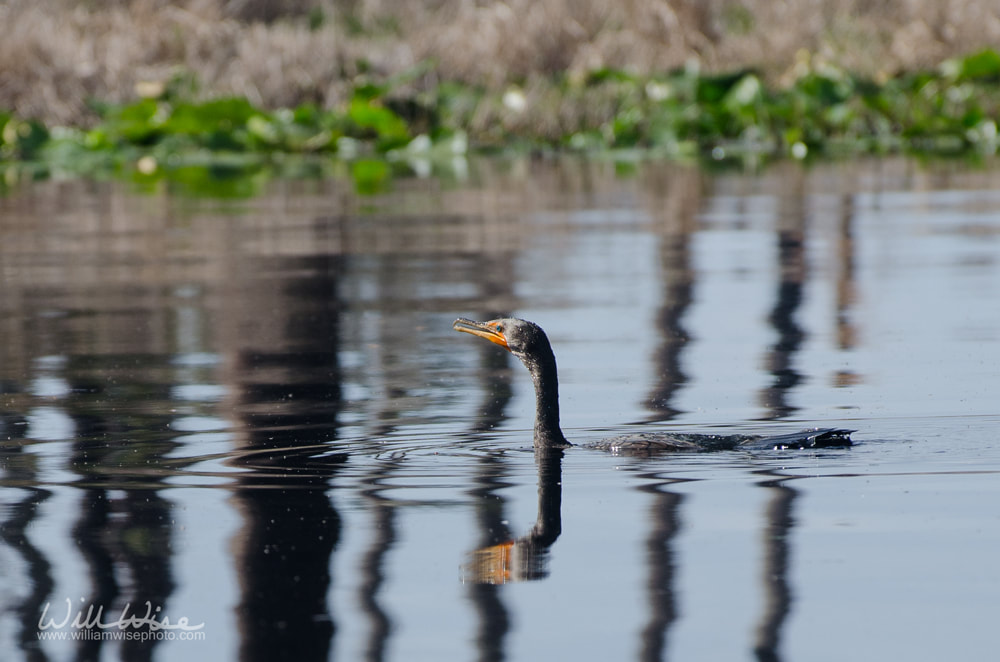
column 234, row 125
column 384, row 126
column 20, row 139
column 204, row 147
column 824, row 109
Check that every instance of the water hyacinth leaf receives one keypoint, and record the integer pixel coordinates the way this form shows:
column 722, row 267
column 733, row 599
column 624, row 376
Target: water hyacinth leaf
column 313, row 142
column 972, row 118
column 369, row 91
column 983, row 135
column 839, row 116
column 370, row 175
column 217, row 115
column 20, row 139
column 307, row 114
column 263, row 129
column 626, row 128
column 712, row 89
column 599, row 76
column 139, row 122
column 218, row 180
column 981, row 65
column 823, row 89
column 387, row 128
column 6, row 137
column 746, row 92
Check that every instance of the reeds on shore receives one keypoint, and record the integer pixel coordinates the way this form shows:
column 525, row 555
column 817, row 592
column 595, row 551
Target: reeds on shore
column 59, row 56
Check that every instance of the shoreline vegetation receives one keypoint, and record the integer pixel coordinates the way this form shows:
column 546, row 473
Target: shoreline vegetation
column 208, row 90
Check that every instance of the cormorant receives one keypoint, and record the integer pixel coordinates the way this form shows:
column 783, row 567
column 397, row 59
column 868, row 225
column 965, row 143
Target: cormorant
column 528, row 342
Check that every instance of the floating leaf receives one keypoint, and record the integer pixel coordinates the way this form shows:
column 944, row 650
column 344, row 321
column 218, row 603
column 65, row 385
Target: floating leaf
column 388, row 129
column 984, row 64
column 20, row 139
column 598, row 76
column 712, row 89
column 211, row 116
column 746, row 92
column 137, row 123
column 370, row 175
column 263, row 129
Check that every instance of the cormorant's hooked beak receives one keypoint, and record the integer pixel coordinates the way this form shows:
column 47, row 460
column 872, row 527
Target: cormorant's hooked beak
column 491, row 330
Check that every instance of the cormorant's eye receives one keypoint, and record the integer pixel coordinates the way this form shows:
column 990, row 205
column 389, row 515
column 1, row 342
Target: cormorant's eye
column 499, row 328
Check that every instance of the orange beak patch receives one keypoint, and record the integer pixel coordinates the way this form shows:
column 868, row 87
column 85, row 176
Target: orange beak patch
column 491, row 330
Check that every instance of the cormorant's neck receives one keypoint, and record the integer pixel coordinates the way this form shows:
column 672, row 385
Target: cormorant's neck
column 545, row 376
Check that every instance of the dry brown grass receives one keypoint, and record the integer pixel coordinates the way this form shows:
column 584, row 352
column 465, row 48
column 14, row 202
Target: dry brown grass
column 55, row 55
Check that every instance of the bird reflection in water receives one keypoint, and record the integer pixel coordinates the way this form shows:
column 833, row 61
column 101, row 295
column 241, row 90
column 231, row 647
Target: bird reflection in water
column 507, row 559
column 525, row 558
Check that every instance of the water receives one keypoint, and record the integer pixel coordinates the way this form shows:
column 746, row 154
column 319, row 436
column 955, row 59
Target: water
column 254, row 415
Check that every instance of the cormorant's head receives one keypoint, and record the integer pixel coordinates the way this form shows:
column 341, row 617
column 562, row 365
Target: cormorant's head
column 522, row 338
column 528, row 342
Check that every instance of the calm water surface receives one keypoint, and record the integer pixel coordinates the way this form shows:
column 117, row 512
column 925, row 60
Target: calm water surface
column 254, row 415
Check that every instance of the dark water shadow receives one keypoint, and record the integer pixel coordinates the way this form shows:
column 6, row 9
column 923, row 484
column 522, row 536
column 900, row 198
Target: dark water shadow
column 779, row 524
column 675, row 198
column 286, row 378
column 793, row 273
column 372, row 572
column 665, row 523
column 13, row 532
column 122, row 530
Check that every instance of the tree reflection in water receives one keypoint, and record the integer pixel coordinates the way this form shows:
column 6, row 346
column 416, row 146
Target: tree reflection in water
column 287, row 380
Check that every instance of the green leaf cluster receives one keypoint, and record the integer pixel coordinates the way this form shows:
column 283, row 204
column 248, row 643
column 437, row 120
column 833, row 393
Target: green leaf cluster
column 168, row 128
column 414, row 120
column 825, row 109
column 20, row 140
column 217, row 146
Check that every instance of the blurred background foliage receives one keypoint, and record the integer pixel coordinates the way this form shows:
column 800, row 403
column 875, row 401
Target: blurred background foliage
column 149, row 89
